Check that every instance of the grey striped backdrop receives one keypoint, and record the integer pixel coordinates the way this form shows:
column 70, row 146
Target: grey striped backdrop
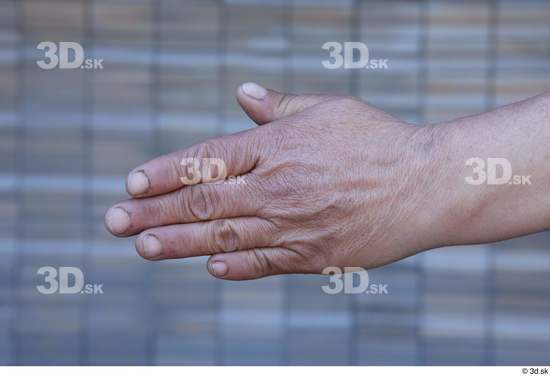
column 68, row 137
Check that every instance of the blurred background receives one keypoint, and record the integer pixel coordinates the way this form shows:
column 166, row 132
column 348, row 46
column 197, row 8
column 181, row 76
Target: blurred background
column 171, row 67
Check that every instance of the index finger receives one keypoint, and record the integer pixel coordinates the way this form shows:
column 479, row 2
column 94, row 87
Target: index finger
column 212, row 160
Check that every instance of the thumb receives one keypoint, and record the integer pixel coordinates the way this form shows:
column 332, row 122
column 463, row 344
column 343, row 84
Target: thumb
column 266, row 105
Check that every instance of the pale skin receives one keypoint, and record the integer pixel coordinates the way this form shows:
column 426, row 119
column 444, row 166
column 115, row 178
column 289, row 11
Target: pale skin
column 332, row 181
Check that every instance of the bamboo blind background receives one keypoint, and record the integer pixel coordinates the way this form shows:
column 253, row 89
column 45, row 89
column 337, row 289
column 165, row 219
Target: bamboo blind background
column 67, row 139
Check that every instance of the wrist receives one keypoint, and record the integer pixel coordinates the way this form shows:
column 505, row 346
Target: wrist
column 496, row 171
column 463, row 197
column 441, row 210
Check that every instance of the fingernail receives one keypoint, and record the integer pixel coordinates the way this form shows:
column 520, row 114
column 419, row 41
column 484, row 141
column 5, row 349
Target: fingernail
column 254, row 91
column 138, row 183
column 151, row 246
column 218, row 268
column 117, row 220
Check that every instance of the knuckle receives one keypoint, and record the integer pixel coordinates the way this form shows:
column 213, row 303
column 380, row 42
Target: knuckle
column 259, row 262
column 284, row 104
column 284, row 189
column 156, row 210
column 195, row 165
column 213, row 148
column 224, row 236
column 175, row 169
column 272, row 261
column 204, row 149
column 189, row 164
column 201, row 202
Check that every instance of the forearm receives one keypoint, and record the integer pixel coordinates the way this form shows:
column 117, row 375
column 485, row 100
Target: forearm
column 514, row 138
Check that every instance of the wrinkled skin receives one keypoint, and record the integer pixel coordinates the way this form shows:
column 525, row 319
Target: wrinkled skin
column 326, row 181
